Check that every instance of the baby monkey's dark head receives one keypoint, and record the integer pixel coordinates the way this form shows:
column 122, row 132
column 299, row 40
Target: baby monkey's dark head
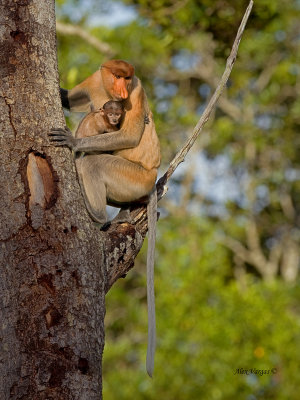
column 113, row 111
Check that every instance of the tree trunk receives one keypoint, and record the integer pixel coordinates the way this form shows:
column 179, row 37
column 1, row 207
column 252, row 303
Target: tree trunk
column 52, row 278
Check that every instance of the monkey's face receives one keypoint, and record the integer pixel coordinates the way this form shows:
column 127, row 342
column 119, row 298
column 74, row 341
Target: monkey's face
column 117, row 86
column 121, row 87
column 113, row 117
column 117, row 78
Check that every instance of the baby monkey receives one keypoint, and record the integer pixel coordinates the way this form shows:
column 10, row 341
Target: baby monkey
column 106, row 119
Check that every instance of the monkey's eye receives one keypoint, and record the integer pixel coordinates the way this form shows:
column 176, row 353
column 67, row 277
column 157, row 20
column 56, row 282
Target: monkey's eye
column 117, row 76
column 127, row 78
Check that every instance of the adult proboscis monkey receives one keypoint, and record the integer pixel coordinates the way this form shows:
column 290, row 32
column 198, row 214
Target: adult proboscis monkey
column 129, row 172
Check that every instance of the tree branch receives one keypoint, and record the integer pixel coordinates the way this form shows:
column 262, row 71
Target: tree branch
column 180, row 156
column 68, row 29
column 252, row 254
column 205, row 71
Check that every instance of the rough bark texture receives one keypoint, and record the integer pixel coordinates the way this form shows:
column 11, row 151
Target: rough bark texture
column 52, row 280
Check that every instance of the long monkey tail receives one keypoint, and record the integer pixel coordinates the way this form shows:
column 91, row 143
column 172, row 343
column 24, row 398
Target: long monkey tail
column 152, row 218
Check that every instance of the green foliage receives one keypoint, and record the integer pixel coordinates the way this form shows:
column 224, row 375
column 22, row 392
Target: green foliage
column 209, row 325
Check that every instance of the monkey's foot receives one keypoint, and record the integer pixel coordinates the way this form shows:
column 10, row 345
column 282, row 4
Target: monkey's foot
column 123, row 216
column 99, row 220
column 98, row 225
column 104, row 226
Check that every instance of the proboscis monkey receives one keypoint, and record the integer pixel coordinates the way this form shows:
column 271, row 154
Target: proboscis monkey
column 130, row 172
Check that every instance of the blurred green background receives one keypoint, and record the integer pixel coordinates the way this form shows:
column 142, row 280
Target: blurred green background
column 227, row 262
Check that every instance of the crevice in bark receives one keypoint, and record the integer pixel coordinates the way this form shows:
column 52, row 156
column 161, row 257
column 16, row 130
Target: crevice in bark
column 42, row 170
column 52, row 316
column 46, row 280
column 26, row 194
column 83, row 365
column 76, row 278
column 9, row 102
column 18, row 36
column 40, row 182
column 58, row 373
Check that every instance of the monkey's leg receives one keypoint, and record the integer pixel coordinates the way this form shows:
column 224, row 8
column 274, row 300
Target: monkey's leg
column 94, row 196
column 125, row 181
column 119, row 180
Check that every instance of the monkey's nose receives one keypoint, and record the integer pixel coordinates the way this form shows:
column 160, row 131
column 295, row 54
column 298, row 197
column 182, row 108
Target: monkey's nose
column 121, row 88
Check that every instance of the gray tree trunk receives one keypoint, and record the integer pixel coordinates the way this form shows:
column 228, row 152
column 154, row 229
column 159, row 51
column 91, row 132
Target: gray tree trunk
column 52, row 280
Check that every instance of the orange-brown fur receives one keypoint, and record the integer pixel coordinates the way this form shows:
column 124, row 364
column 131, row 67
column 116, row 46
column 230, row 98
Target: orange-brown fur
column 93, row 124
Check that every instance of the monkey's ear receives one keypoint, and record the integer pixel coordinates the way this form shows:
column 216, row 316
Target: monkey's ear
column 102, row 112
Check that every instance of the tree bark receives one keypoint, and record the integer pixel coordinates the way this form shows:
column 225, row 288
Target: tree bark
column 52, row 273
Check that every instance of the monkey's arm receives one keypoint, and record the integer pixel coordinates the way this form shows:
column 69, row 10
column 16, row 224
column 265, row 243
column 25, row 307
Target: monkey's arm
column 64, row 98
column 127, row 137
column 109, row 142
column 79, row 98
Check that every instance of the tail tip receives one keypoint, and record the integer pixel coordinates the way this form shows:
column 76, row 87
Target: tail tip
column 150, row 372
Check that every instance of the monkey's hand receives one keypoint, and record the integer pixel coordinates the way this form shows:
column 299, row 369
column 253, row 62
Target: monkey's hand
column 62, row 137
column 147, row 119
